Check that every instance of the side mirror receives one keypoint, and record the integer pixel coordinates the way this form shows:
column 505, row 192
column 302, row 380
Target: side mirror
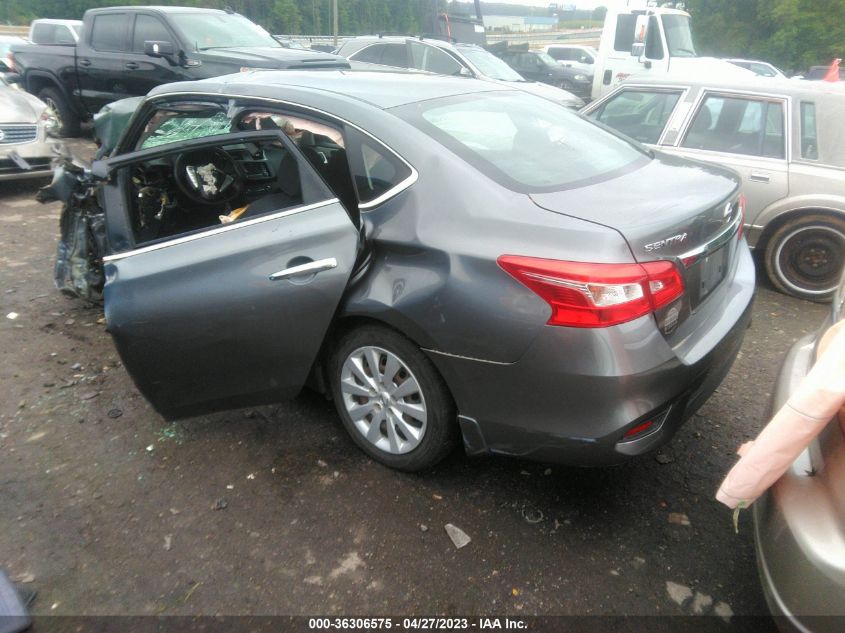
column 465, row 72
column 637, row 49
column 155, row 48
column 13, row 78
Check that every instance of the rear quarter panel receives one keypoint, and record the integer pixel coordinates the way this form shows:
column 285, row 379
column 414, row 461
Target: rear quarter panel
column 812, row 187
column 435, row 248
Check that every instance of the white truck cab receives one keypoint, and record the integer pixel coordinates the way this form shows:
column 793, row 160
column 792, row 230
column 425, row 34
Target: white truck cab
column 645, row 39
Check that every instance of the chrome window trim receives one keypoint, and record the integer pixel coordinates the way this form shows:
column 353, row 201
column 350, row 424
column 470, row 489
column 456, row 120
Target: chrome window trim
column 749, row 96
column 218, row 230
column 393, row 191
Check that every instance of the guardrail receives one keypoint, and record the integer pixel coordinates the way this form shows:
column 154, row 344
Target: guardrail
column 7, row 29
column 585, row 37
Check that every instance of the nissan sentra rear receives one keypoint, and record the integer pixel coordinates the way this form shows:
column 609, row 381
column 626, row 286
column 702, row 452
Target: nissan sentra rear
column 638, row 283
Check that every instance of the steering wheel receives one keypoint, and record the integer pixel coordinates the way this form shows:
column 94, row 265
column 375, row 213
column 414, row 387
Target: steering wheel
column 208, row 176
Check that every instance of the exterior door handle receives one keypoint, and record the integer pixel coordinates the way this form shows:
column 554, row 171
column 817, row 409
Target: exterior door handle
column 310, row 268
column 759, row 176
column 132, row 66
column 84, row 62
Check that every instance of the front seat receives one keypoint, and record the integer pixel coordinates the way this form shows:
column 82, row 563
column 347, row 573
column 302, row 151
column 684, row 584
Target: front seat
column 289, row 190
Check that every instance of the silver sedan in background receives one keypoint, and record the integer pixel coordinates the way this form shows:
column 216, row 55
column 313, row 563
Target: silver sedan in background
column 26, row 149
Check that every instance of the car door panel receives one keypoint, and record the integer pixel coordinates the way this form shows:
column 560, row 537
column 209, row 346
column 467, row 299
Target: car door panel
column 201, row 323
column 764, row 180
column 101, row 60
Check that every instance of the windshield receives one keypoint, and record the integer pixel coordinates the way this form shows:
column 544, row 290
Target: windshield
column 173, row 127
column 524, row 142
column 221, row 30
column 679, row 36
column 490, row 66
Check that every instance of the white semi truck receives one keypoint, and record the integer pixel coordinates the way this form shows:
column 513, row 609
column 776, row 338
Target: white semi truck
column 644, row 38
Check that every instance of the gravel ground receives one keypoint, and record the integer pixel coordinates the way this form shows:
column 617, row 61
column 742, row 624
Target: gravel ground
column 107, row 509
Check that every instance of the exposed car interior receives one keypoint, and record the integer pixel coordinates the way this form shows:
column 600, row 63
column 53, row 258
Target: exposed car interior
column 183, row 192
column 187, row 191
column 638, row 114
column 739, row 126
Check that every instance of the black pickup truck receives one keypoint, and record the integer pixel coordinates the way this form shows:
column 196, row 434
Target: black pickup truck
column 127, row 51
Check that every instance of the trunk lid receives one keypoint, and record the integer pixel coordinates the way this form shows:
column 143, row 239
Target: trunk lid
column 671, row 208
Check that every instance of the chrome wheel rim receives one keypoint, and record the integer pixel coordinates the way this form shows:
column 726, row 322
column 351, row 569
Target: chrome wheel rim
column 383, row 399
column 54, row 113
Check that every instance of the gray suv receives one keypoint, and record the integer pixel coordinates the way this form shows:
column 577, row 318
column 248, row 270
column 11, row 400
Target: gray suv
column 446, row 58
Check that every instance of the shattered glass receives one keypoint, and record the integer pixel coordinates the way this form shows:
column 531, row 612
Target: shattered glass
column 180, row 129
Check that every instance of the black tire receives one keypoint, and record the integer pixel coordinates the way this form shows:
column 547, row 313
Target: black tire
column 805, row 256
column 440, row 433
column 69, row 123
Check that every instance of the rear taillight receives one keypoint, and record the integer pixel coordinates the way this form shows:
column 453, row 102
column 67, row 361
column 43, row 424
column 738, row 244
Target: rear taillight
column 741, row 204
column 10, row 62
column 596, row 295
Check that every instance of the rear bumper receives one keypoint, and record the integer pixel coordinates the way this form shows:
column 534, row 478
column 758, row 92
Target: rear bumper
column 575, row 392
column 799, row 531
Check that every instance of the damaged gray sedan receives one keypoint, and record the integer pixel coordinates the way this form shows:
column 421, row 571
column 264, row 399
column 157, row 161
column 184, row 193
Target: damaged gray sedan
column 444, row 258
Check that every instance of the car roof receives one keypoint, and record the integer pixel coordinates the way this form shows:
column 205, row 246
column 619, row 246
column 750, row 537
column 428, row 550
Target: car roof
column 433, row 41
column 157, row 8
column 55, row 21
column 382, row 89
column 751, row 83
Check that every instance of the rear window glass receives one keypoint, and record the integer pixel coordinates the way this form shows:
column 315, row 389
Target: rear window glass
column 525, row 142
column 370, row 54
column 736, row 125
column 375, row 169
column 640, row 114
column 809, row 144
column 49, row 34
column 109, row 32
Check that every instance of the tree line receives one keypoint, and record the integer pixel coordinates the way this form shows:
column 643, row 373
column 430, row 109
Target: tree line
column 277, row 16
column 793, row 34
